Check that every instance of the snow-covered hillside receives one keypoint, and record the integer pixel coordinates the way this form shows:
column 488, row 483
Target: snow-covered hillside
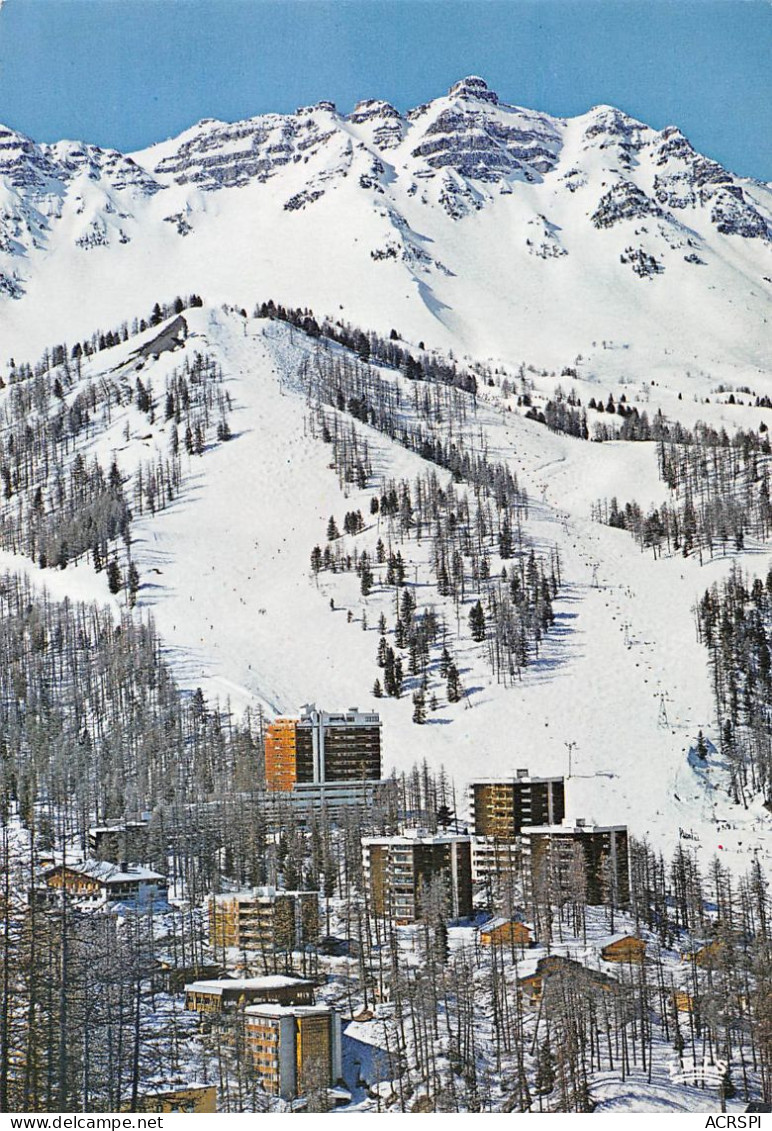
column 225, row 571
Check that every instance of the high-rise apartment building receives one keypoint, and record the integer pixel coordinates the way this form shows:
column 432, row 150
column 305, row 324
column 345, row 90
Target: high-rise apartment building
column 405, row 872
column 503, row 808
column 555, row 851
column 320, row 747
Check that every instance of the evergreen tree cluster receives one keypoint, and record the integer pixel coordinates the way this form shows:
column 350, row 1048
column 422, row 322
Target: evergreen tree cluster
column 477, row 546
column 720, row 494
column 350, row 450
column 735, row 625
column 80, row 511
column 473, row 536
column 369, row 346
column 59, row 508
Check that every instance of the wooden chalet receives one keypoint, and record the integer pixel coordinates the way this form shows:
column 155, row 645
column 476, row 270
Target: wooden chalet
column 533, row 986
column 174, row 979
column 98, row 881
column 705, row 955
column 505, row 932
column 626, row 948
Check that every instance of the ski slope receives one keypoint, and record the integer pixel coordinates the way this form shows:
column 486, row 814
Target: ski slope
column 225, row 573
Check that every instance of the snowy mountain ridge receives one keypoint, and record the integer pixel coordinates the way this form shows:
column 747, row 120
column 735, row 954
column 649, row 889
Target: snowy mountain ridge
column 596, row 227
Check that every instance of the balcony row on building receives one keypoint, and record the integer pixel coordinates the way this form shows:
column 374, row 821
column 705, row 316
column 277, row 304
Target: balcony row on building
column 416, row 873
column 264, row 919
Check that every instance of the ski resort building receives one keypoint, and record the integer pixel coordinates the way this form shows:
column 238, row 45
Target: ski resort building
column 99, row 882
column 627, row 949
column 501, row 809
column 319, row 747
column 293, row 1049
column 119, row 840
column 404, row 873
column 222, row 994
column 551, row 853
column 505, row 932
column 265, row 919
column 555, row 966
column 309, row 799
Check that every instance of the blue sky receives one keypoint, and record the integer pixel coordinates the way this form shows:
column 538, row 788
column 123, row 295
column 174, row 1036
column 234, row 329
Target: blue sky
column 129, row 72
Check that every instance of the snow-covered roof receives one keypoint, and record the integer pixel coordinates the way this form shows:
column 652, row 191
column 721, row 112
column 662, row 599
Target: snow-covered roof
column 612, row 940
column 417, row 836
column 106, row 873
column 502, row 921
column 571, row 827
column 271, row 1009
column 267, row 982
column 517, row 778
column 260, row 895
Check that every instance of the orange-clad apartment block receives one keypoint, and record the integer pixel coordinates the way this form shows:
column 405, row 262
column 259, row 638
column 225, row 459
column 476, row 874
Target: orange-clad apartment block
column 281, row 754
column 322, row 747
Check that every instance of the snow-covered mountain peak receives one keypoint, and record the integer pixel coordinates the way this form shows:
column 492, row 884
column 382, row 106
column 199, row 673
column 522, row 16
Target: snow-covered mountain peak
column 322, row 107
column 369, row 109
column 471, row 132
column 380, row 123
column 474, row 87
column 23, row 163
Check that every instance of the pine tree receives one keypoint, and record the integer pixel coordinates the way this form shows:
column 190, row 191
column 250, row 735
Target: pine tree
column 453, row 684
column 366, row 577
column 477, row 622
column 545, row 1069
column 505, row 540
column 316, row 559
column 388, row 671
column 332, row 530
column 114, row 579
column 133, row 584
column 397, row 677
column 444, row 816
column 419, row 708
